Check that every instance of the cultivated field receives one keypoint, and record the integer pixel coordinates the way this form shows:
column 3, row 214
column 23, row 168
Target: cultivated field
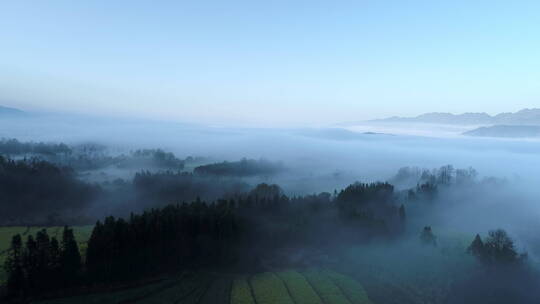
column 315, row 286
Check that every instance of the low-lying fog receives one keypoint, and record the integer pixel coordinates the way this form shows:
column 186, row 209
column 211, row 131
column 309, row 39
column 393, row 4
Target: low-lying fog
column 327, row 158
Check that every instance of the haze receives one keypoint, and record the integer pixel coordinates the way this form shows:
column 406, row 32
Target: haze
column 233, row 152
column 268, row 64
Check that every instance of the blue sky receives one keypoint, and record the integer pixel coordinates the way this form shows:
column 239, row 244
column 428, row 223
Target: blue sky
column 269, row 62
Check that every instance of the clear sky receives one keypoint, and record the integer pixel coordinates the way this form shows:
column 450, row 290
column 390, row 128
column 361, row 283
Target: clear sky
column 269, row 62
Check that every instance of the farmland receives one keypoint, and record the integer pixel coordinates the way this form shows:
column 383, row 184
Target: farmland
column 314, row 286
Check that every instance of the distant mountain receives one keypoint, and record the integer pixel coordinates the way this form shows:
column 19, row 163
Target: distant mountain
column 5, row 111
column 523, row 117
column 507, row 131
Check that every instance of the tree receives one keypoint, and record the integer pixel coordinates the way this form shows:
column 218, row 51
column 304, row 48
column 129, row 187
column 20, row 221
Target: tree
column 13, row 266
column 427, row 237
column 477, row 247
column 70, row 259
column 402, row 214
column 43, row 247
column 500, row 248
column 55, row 262
column 30, row 262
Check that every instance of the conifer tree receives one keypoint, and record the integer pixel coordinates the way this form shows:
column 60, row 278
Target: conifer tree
column 13, row 265
column 70, row 257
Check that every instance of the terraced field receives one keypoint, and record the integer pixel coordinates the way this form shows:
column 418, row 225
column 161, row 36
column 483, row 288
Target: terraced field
column 325, row 287
column 287, row 287
column 268, row 288
column 300, row 289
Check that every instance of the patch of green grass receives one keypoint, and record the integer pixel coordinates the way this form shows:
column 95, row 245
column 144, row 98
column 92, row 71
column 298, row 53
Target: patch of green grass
column 327, row 290
column 352, row 288
column 301, row 291
column 241, row 292
column 269, row 289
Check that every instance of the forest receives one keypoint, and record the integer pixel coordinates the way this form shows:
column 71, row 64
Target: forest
column 157, row 216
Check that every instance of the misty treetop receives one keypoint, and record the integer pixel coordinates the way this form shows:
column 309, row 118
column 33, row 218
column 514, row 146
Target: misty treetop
column 33, row 189
column 497, row 248
column 13, row 147
column 242, row 168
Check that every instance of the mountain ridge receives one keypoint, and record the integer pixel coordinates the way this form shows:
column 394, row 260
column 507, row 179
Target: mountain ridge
column 506, row 131
column 522, row 117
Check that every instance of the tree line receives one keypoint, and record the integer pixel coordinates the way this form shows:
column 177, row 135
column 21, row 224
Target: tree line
column 226, row 233
column 41, row 264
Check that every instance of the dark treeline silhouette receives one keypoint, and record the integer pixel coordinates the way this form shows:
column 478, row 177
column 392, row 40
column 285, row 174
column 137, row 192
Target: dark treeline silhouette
column 42, row 264
column 244, row 167
column 31, row 190
column 239, row 233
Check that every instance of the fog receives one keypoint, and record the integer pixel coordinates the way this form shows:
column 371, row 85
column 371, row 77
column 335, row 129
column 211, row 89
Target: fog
column 313, row 160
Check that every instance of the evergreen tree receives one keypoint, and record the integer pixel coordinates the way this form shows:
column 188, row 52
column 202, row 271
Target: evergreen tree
column 30, row 263
column 55, row 263
column 427, row 237
column 477, row 247
column 43, row 247
column 70, row 258
column 14, row 267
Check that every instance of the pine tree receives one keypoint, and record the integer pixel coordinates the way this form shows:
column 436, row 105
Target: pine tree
column 477, row 247
column 30, row 263
column 13, row 266
column 55, row 263
column 70, row 260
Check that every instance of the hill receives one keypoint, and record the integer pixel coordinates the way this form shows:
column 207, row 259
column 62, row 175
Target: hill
column 6, row 111
column 507, row 131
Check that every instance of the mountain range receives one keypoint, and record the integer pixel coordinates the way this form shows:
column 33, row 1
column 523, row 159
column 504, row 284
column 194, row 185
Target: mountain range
column 523, row 117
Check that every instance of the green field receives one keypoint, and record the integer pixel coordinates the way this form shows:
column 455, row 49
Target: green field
column 315, row 286
column 82, row 234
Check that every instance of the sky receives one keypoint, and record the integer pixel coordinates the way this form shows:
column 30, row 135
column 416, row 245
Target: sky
column 269, row 63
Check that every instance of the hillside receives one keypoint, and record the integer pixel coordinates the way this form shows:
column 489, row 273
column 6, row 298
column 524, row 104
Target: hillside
column 507, row 131
column 6, row 111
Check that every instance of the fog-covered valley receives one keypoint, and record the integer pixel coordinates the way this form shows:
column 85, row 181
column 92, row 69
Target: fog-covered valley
column 87, row 168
